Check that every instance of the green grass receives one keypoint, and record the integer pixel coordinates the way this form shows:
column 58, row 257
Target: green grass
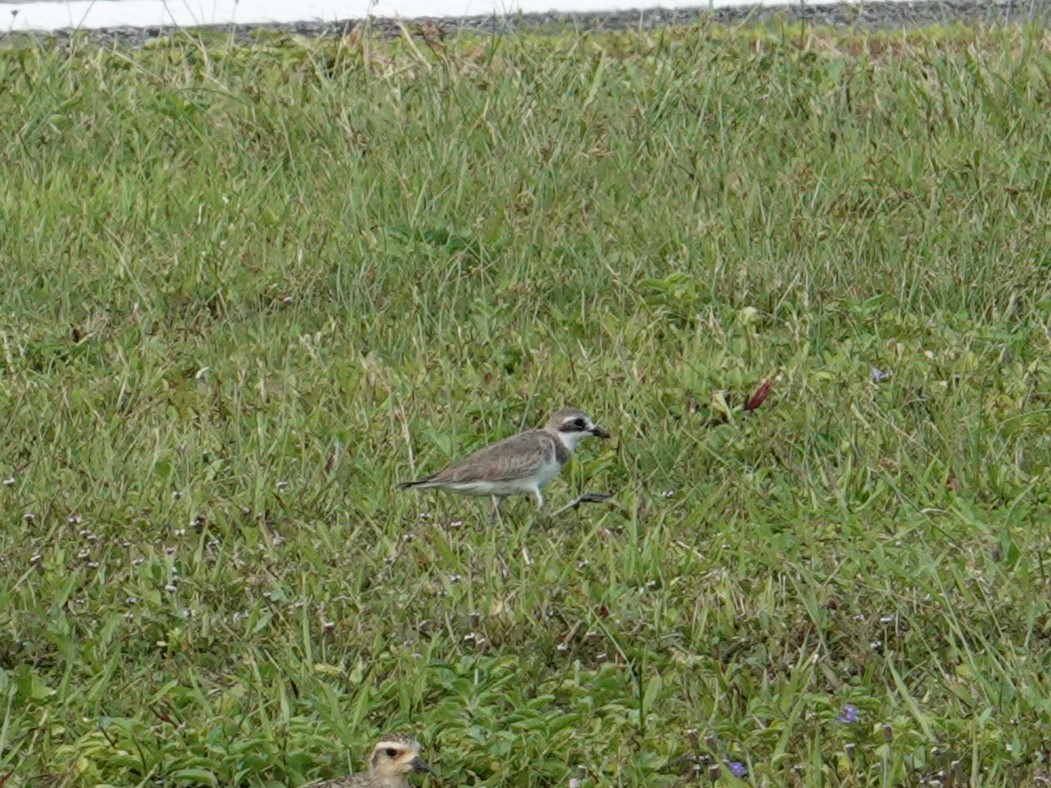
column 247, row 290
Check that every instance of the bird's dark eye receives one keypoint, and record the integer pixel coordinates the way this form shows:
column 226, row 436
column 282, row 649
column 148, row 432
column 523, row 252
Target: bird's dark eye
column 392, row 753
column 576, row 425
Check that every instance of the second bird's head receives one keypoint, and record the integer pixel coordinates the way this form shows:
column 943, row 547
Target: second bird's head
column 396, row 755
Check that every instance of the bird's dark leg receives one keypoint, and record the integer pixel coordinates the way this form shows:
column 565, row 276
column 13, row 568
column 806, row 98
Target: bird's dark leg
column 589, row 497
column 498, row 501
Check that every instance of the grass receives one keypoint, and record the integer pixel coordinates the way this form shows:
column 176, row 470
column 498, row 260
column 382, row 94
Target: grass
column 248, row 289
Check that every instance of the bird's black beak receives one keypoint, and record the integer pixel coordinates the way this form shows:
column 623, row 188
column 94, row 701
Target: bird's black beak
column 420, row 765
column 598, row 432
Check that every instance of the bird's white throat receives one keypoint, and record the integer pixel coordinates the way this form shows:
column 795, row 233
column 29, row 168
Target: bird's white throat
column 571, row 439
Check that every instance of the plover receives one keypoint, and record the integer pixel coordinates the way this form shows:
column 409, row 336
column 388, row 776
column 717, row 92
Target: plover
column 393, row 758
column 520, row 464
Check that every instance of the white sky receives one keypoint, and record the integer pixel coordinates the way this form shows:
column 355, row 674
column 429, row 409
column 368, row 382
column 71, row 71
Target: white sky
column 57, row 14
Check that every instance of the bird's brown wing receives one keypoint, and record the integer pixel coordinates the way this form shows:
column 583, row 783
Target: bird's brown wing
column 512, row 458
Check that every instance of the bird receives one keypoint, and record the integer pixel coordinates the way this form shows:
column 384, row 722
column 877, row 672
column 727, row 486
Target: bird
column 521, row 464
column 394, row 757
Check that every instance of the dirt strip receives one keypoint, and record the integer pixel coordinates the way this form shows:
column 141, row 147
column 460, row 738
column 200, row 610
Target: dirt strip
column 860, row 16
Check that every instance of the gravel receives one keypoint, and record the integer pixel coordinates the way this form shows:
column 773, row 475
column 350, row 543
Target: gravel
column 869, row 16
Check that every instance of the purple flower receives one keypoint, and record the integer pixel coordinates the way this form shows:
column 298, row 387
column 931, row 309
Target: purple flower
column 849, row 715
column 737, row 769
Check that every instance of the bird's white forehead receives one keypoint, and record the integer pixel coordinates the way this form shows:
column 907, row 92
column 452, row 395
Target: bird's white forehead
column 572, row 416
column 397, row 742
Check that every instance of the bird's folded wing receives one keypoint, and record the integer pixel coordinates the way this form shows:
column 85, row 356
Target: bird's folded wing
column 512, row 458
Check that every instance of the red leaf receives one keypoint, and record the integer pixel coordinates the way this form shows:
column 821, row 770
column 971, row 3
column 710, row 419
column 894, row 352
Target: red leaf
column 760, row 394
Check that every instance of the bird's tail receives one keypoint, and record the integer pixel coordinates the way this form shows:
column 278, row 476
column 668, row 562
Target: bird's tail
column 414, row 483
